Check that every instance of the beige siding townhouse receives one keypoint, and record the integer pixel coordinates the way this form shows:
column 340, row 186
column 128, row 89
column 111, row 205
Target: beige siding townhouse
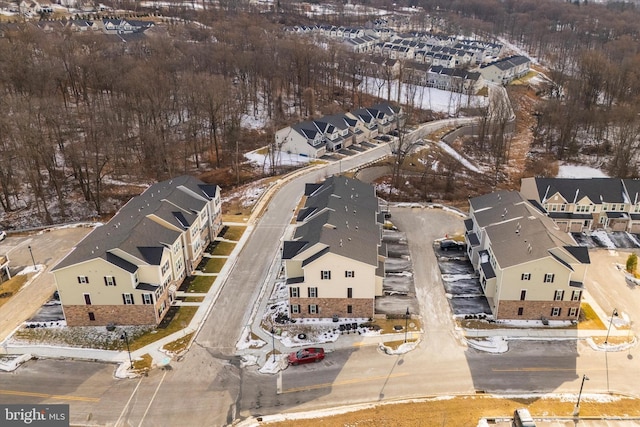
column 334, row 263
column 583, row 204
column 528, row 268
column 127, row 271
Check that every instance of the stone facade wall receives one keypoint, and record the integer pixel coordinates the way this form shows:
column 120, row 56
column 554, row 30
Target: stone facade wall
column 327, row 307
column 535, row 310
column 78, row 315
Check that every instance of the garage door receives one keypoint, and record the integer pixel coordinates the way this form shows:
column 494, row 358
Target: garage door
column 576, row 227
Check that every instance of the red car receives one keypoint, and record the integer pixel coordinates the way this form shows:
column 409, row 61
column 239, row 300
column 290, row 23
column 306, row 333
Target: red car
column 306, row 355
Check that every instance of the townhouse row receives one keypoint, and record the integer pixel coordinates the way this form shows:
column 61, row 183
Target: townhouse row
column 127, row 271
column 586, row 204
column 315, row 138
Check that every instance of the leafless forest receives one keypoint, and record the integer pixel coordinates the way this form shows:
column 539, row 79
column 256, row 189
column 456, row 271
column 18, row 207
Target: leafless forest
column 79, row 112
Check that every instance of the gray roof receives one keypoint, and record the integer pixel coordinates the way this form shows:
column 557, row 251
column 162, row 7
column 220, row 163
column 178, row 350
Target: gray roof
column 133, row 232
column 344, row 220
column 497, row 198
column 520, row 233
column 598, row 190
column 525, row 240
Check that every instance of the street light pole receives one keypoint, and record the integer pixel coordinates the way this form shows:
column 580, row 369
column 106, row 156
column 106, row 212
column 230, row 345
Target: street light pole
column 613, row 314
column 406, row 324
column 273, row 342
column 577, row 408
column 125, row 337
column 32, row 258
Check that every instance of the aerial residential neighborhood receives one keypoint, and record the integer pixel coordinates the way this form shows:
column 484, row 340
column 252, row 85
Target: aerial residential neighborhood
column 246, row 213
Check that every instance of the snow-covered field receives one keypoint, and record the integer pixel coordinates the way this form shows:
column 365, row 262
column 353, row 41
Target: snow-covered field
column 427, row 98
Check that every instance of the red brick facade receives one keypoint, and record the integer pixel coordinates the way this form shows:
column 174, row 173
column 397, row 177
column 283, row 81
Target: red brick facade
column 535, row 310
column 78, row 315
column 327, row 307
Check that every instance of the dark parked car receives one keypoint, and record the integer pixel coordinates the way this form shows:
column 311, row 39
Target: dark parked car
column 453, row 245
column 306, row 355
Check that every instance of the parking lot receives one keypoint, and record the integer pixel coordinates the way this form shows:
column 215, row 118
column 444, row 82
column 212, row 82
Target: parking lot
column 461, row 283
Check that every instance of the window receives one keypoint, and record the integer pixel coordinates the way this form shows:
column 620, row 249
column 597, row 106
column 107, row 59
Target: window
column 325, row 275
column 87, row 299
column 576, row 295
column 109, row 281
column 127, row 299
column 312, row 292
column 313, row 308
column 523, row 295
column 548, row 278
column 558, row 296
column 555, row 311
column 520, row 311
column 83, row 279
column 147, row 299
column 525, row 276
column 294, row 292
column 349, row 309
column 350, row 273
column 573, row 312
column 92, row 316
column 349, row 292
column 165, row 268
column 294, row 309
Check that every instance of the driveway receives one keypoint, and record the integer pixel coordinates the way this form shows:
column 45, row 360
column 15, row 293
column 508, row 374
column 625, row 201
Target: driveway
column 606, row 285
column 48, row 248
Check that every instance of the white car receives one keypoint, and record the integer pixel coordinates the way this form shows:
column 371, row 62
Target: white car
column 3, row 235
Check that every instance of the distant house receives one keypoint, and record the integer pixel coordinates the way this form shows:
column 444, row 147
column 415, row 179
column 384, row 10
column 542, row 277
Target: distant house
column 122, row 26
column 334, row 264
column 127, row 271
column 528, row 268
column 506, row 70
column 314, row 138
column 82, row 25
column 585, row 204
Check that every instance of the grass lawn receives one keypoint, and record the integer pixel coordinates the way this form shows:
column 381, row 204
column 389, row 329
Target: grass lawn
column 214, row 265
column 201, row 284
column 11, row 287
column 588, row 320
column 143, row 364
column 465, row 411
column 180, row 318
column 223, row 249
column 387, row 325
column 234, row 233
column 179, row 345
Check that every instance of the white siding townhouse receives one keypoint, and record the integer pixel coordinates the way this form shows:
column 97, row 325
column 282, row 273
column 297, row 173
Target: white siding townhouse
column 506, row 70
column 127, row 271
column 529, row 269
column 334, row 264
column 314, row 138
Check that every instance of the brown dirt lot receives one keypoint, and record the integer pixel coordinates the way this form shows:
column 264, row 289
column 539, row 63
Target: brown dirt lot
column 465, row 411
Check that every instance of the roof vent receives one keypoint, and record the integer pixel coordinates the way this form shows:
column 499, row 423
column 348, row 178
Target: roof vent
column 529, row 248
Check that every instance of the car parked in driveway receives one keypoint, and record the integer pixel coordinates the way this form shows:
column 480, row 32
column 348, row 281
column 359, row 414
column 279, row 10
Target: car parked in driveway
column 306, row 355
column 3, row 235
column 452, row 245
